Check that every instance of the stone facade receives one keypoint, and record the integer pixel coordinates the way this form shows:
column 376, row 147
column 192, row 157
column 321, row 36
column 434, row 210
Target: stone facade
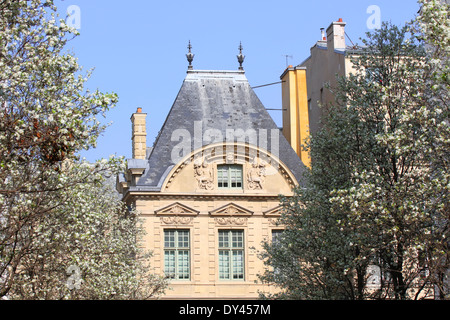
column 208, row 191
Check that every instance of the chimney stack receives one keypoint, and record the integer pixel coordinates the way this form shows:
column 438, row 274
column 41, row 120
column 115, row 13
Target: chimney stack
column 139, row 134
column 336, row 35
column 295, row 110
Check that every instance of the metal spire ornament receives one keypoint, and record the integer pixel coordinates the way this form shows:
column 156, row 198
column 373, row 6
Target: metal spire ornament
column 240, row 57
column 190, row 56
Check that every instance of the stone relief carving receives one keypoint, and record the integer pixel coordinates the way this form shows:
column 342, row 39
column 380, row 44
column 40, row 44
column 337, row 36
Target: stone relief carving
column 256, row 174
column 204, row 173
column 176, row 220
column 230, row 210
column 274, row 222
column 231, row 221
column 176, row 209
column 177, row 214
column 230, row 157
column 273, row 216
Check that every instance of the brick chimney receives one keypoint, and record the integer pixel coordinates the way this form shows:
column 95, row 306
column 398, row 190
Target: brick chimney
column 336, row 35
column 139, row 134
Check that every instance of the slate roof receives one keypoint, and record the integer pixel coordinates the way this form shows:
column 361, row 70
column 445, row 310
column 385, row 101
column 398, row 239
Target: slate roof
column 220, row 100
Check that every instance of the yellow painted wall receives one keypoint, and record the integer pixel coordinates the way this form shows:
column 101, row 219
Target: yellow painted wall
column 295, row 110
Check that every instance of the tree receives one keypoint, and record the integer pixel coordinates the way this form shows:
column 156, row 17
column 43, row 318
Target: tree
column 428, row 119
column 54, row 211
column 316, row 256
column 372, row 195
column 88, row 247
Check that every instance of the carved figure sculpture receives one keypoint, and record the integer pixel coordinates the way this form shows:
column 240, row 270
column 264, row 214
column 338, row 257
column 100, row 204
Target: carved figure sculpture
column 256, row 175
column 204, row 174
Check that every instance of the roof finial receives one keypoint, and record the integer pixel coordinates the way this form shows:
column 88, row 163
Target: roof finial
column 190, row 56
column 240, row 57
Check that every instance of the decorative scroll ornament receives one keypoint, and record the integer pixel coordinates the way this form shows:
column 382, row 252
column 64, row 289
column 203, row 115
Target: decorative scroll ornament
column 176, row 220
column 231, row 221
column 274, row 222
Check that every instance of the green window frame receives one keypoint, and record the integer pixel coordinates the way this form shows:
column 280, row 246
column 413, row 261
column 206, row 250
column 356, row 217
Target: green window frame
column 231, row 255
column 229, row 176
column 177, row 254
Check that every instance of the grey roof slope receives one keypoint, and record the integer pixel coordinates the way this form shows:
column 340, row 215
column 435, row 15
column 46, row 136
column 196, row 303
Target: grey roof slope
column 221, row 100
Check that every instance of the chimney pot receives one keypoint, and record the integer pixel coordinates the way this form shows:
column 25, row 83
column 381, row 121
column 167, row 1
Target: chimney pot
column 139, row 110
column 322, row 31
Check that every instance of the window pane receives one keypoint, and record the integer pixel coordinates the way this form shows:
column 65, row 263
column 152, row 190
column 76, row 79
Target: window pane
column 224, row 239
column 238, row 239
column 169, row 263
column 238, row 264
column 169, row 238
column 183, row 239
column 183, row 264
column 224, row 264
column 236, row 176
column 222, row 176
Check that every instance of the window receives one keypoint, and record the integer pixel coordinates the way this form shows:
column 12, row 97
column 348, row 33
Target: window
column 176, row 254
column 231, row 255
column 276, row 235
column 276, row 242
column 229, row 176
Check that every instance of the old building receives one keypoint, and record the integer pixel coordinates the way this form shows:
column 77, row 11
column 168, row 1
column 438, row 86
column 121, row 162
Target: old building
column 208, row 190
column 330, row 57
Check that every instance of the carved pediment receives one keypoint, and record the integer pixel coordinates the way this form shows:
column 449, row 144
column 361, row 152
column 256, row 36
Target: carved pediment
column 231, row 209
column 177, row 209
column 273, row 216
column 274, row 212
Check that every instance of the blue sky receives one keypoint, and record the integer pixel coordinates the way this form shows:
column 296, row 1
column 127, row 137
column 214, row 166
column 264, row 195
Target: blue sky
column 138, row 48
